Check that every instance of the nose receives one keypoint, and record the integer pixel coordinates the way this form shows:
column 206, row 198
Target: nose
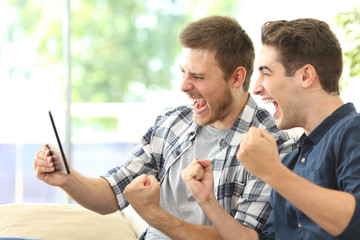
column 186, row 85
column 258, row 88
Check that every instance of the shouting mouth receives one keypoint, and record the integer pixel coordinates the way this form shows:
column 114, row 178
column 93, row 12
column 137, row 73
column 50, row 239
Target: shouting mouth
column 200, row 105
column 271, row 100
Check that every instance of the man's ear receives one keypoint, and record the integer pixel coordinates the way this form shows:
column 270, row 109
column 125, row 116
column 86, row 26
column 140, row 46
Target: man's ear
column 238, row 77
column 309, row 76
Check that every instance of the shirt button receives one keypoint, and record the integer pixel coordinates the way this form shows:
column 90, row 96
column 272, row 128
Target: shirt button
column 299, row 225
column 303, row 160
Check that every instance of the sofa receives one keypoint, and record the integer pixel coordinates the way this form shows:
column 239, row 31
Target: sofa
column 67, row 221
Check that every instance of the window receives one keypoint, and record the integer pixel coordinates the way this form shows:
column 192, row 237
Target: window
column 123, row 73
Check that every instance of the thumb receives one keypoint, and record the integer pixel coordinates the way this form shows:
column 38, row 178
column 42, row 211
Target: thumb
column 266, row 136
column 151, row 180
column 204, row 163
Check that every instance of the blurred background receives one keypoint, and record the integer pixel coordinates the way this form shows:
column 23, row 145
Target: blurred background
column 106, row 68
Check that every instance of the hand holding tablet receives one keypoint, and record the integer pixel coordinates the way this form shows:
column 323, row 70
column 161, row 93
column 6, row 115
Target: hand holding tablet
column 56, row 150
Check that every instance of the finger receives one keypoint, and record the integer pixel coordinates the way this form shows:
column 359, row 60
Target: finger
column 42, row 160
column 142, row 179
column 139, row 181
column 199, row 174
column 44, row 169
column 44, row 149
column 204, row 163
column 194, row 162
column 266, row 136
column 243, row 143
column 208, row 168
column 255, row 137
column 40, row 154
column 193, row 171
column 152, row 180
column 245, row 138
column 40, row 170
column 254, row 133
column 186, row 171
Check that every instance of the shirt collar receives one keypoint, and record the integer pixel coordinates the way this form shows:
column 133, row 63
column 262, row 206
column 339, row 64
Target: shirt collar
column 316, row 135
column 242, row 123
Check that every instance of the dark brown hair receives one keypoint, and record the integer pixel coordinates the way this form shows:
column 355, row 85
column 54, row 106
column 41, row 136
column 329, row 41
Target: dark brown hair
column 306, row 41
column 233, row 47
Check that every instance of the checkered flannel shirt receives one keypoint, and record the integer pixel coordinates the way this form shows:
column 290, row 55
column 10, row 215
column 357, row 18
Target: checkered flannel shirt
column 241, row 194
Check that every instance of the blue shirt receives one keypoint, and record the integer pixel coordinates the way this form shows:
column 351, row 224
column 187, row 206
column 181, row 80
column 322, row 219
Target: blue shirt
column 328, row 157
column 242, row 195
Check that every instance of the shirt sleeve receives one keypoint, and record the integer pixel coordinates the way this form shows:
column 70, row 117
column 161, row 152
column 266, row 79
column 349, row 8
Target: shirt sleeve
column 348, row 172
column 140, row 161
column 253, row 206
column 353, row 230
column 147, row 157
column 143, row 159
column 268, row 233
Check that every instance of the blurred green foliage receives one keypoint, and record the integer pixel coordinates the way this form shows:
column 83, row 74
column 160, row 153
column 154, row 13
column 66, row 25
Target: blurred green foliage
column 120, row 49
column 350, row 23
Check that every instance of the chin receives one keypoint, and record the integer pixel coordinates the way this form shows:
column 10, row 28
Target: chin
column 284, row 126
column 202, row 121
column 199, row 122
column 280, row 124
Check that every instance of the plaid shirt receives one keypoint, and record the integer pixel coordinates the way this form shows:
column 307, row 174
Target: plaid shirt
column 241, row 194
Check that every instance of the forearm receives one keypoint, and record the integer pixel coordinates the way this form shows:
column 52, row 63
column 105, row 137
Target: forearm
column 227, row 227
column 92, row 193
column 177, row 229
column 330, row 209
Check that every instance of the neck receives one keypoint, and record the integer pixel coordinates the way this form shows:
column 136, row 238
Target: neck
column 233, row 112
column 320, row 108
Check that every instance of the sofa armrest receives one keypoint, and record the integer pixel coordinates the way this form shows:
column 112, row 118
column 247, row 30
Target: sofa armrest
column 61, row 221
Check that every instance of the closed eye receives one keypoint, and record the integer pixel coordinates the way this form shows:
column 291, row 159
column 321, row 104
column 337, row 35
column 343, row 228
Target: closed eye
column 197, row 77
column 264, row 70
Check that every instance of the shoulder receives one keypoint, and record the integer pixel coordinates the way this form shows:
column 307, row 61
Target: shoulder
column 176, row 120
column 180, row 113
column 346, row 132
column 348, row 125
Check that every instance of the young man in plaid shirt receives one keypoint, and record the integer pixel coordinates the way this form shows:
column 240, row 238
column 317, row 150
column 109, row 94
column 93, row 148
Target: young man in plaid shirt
column 217, row 64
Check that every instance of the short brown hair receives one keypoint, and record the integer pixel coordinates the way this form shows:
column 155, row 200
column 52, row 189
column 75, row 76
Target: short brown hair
column 233, row 47
column 306, row 41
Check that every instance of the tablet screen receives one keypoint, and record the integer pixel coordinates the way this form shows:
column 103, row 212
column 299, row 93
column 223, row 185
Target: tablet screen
column 56, row 149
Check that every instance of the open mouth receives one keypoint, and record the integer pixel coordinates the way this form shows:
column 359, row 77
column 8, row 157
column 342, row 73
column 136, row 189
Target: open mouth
column 271, row 100
column 200, row 105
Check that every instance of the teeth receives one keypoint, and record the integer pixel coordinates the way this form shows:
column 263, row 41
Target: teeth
column 200, row 108
column 197, row 102
column 266, row 101
column 196, row 99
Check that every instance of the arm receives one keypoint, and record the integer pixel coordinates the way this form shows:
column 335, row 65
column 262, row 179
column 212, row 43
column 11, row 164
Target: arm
column 92, row 193
column 330, row 209
column 143, row 195
column 198, row 177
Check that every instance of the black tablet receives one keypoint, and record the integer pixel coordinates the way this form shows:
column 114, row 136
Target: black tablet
column 56, row 150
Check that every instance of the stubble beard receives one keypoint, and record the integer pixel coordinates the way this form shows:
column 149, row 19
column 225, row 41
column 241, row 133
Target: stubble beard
column 217, row 111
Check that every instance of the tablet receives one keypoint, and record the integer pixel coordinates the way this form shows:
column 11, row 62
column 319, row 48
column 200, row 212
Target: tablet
column 56, row 150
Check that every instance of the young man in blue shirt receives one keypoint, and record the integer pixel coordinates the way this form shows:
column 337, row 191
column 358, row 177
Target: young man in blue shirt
column 316, row 188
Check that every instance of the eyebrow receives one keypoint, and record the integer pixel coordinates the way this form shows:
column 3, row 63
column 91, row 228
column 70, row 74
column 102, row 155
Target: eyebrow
column 261, row 68
column 192, row 73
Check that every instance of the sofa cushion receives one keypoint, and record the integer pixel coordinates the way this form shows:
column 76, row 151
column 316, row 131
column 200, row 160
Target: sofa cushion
column 136, row 222
column 61, row 221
